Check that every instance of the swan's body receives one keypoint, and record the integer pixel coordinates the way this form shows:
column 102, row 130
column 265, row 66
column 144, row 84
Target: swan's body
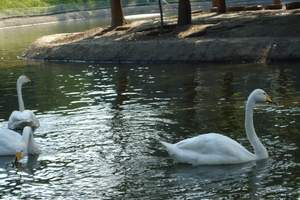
column 217, row 149
column 19, row 119
column 209, row 149
column 12, row 142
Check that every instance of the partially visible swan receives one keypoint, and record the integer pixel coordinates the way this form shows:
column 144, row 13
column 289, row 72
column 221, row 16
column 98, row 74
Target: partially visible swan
column 19, row 119
column 12, row 143
column 217, row 149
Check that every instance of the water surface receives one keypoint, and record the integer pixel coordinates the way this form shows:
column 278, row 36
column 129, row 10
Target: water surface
column 100, row 126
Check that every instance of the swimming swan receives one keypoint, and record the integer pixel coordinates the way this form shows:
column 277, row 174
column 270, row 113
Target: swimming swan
column 19, row 119
column 12, row 143
column 217, row 149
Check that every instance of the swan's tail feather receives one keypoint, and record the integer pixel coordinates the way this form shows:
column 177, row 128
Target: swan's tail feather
column 168, row 146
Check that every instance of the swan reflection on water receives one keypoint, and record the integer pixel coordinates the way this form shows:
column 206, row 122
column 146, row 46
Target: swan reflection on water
column 27, row 164
column 223, row 177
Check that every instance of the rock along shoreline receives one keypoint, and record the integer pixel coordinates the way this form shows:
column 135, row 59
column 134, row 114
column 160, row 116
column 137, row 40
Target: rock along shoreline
column 244, row 38
column 238, row 50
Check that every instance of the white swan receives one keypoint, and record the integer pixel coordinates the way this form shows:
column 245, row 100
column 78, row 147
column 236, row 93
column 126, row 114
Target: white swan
column 19, row 119
column 217, row 149
column 12, row 143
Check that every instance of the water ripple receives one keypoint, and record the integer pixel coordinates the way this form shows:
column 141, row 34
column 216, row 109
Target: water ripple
column 100, row 127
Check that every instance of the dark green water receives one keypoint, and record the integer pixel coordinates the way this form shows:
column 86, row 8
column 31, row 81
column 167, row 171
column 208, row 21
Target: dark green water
column 100, row 126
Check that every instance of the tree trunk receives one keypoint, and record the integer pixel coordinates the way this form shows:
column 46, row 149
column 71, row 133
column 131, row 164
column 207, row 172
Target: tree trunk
column 221, row 4
column 117, row 18
column 277, row 2
column 214, row 3
column 161, row 15
column 184, row 12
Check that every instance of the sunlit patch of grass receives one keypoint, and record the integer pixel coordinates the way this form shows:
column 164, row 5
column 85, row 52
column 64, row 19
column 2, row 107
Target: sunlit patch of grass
column 7, row 4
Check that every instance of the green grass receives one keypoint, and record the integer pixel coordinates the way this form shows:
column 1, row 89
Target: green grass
column 33, row 5
column 10, row 4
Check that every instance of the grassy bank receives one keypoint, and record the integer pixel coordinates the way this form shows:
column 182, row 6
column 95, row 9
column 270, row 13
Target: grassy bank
column 11, row 4
column 17, row 8
column 20, row 8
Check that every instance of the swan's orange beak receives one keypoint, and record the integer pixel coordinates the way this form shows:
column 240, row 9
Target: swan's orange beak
column 268, row 99
column 18, row 156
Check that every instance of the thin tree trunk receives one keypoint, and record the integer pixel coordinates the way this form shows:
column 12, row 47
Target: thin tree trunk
column 117, row 18
column 214, row 3
column 277, row 2
column 221, row 4
column 161, row 15
column 184, row 12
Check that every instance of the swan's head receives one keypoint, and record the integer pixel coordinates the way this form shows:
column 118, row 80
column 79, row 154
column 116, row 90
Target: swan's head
column 23, row 79
column 260, row 96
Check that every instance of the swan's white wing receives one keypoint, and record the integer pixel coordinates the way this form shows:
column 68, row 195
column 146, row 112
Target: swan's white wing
column 206, row 142
column 9, row 142
column 18, row 120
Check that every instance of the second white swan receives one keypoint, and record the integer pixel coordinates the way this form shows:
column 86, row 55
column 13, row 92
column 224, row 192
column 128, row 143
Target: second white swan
column 21, row 118
column 217, row 149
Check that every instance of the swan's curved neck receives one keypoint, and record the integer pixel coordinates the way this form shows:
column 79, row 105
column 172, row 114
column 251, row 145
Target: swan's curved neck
column 20, row 98
column 259, row 149
column 26, row 138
